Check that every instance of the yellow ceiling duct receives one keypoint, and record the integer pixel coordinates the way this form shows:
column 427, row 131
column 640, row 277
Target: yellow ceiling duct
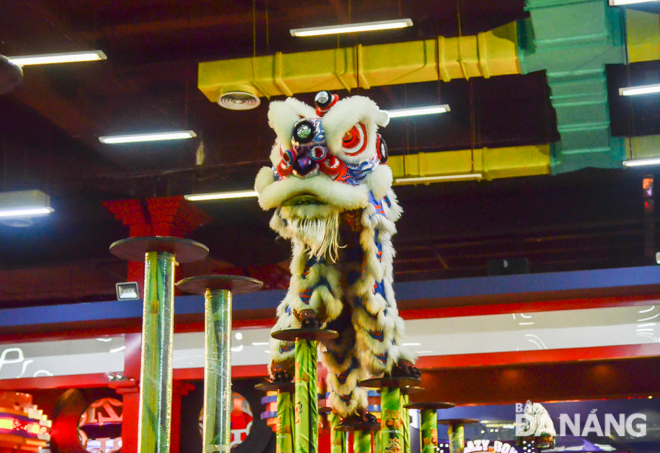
column 487, row 54
column 643, row 36
column 485, row 163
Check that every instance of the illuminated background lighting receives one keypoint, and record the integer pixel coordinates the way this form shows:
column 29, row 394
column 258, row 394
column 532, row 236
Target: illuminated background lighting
column 628, row 2
column 25, row 212
column 440, row 178
column 54, row 58
column 351, row 28
column 415, row 111
column 641, row 162
column 642, row 89
column 221, row 195
column 150, row 137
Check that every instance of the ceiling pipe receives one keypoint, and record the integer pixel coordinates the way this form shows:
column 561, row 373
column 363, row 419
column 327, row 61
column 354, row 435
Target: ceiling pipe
column 487, row 54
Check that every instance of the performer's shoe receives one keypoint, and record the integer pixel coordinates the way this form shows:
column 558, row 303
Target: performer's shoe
column 358, row 419
column 279, row 374
column 307, row 319
column 405, row 368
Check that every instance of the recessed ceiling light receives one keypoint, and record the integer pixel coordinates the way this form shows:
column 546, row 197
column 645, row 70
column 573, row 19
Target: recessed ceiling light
column 25, row 212
column 352, row 28
column 149, row 137
column 641, row 162
column 628, row 2
column 221, row 195
column 53, row 58
column 415, row 111
column 439, row 178
column 642, row 89
column 24, row 203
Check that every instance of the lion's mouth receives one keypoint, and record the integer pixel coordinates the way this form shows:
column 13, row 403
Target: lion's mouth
column 303, row 199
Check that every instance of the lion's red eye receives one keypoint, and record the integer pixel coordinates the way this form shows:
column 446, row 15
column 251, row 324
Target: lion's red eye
column 351, row 138
column 354, row 141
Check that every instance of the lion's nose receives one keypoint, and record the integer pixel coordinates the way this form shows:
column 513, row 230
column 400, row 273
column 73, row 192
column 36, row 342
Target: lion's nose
column 304, row 165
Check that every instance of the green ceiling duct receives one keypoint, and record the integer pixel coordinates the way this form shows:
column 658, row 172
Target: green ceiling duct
column 573, row 41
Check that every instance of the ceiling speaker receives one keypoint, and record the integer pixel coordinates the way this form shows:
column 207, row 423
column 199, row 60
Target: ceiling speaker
column 239, row 100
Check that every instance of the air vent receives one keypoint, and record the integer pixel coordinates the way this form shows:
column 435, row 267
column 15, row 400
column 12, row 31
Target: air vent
column 238, row 100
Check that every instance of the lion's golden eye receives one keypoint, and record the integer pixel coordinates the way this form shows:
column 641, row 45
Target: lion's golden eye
column 348, row 136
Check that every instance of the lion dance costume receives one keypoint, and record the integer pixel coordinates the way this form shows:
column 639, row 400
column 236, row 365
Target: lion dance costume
column 332, row 196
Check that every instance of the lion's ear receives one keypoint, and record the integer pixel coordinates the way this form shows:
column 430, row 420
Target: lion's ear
column 382, row 118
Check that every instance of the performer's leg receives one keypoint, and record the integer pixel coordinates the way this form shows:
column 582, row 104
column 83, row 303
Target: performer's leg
column 344, row 371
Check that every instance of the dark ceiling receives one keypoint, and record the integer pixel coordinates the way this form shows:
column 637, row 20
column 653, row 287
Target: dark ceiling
column 49, row 131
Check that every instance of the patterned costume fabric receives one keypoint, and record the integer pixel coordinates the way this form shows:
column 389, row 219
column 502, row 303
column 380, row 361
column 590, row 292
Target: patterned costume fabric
column 332, row 198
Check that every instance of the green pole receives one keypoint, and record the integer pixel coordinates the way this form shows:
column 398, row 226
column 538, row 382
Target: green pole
column 361, row 442
column 306, row 399
column 217, row 371
column 378, row 441
column 338, row 439
column 429, row 432
column 405, row 423
column 156, row 374
column 456, row 438
column 284, row 439
column 391, row 430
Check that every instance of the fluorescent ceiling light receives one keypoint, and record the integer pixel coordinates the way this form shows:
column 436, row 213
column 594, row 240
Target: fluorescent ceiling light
column 628, row 2
column 25, row 212
column 641, row 162
column 221, row 195
column 642, row 89
column 440, row 178
column 24, row 203
column 352, row 28
column 52, row 58
column 430, row 110
column 151, row 137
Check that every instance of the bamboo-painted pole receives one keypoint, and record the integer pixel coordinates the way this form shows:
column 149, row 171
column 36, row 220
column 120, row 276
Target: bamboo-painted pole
column 158, row 253
column 456, row 432
column 405, row 423
column 361, row 442
column 217, row 371
column 285, row 422
column 429, row 431
column 429, row 424
column 218, row 291
column 338, row 439
column 154, row 419
column 306, row 403
column 306, row 399
column 390, row 410
column 392, row 390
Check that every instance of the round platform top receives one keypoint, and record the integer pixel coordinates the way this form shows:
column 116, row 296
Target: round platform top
column 284, row 387
column 134, row 249
column 237, row 284
column 390, row 382
column 11, row 75
column 371, row 427
column 305, row 334
column 412, row 390
column 429, row 405
column 458, row 421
